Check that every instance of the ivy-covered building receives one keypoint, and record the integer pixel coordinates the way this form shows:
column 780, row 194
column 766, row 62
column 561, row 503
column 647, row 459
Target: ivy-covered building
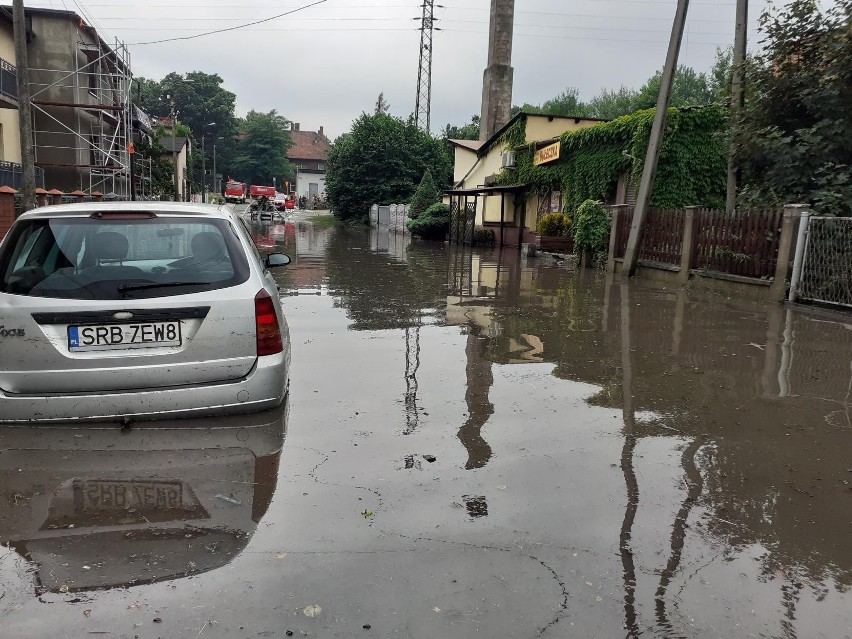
column 538, row 164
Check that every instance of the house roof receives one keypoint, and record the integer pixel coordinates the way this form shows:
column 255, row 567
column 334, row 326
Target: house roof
column 473, row 145
column 179, row 142
column 308, row 145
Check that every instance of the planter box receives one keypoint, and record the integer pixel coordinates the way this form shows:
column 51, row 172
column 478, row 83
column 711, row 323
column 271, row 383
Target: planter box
column 560, row 244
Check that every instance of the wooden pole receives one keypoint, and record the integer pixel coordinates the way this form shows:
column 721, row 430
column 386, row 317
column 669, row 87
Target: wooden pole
column 737, row 96
column 24, row 106
column 653, row 155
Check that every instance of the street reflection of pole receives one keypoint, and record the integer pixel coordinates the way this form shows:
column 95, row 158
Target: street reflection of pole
column 790, row 595
column 786, row 356
column 412, row 364
column 479, row 408
column 770, row 352
column 630, row 481
column 678, row 538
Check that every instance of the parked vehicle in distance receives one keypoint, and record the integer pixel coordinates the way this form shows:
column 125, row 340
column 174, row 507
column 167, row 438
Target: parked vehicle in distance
column 235, row 192
column 119, row 311
column 280, row 201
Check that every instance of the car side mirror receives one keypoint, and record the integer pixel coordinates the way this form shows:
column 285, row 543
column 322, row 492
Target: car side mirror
column 276, row 259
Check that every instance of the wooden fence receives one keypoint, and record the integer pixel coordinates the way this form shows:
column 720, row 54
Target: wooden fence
column 750, row 247
column 743, row 243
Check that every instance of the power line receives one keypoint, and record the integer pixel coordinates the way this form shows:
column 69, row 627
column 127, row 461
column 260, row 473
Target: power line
column 234, row 28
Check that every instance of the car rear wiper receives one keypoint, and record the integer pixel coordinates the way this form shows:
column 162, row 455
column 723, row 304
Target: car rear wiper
column 138, row 287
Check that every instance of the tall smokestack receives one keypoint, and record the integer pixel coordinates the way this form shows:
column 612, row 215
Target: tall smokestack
column 497, row 79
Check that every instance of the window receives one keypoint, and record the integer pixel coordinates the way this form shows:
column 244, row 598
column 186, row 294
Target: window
column 121, row 259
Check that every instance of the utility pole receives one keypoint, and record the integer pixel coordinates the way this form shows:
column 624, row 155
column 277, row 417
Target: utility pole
column 19, row 23
column 737, row 97
column 649, row 169
column 423, row 105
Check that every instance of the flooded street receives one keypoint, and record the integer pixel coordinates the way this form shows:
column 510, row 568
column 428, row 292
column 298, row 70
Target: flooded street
column 475, row 444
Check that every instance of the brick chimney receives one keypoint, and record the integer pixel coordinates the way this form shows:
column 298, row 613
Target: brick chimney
column 321, row 133
column 295, row 126
column 498, row 76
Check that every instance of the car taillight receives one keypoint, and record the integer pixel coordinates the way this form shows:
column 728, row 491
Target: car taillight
column 266, row 322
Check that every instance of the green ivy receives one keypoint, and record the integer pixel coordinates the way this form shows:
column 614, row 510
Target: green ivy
column 592, row 227
column 692, row 168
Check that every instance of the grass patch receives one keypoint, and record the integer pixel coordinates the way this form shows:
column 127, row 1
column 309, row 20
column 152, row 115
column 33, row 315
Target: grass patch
column 324, row 221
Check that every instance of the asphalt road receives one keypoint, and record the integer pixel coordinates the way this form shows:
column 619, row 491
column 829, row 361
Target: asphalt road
column 474, row 445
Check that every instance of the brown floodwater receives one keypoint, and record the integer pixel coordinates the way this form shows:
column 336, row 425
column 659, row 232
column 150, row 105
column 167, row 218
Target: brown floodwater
column 478, row 444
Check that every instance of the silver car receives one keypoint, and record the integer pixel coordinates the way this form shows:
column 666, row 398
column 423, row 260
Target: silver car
column 137, row 310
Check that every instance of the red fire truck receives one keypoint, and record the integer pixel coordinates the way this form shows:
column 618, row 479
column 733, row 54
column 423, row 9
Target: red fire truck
column 235, row 192
column 259, row 191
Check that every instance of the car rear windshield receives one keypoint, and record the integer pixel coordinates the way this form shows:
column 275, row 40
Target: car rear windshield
column 120, row 258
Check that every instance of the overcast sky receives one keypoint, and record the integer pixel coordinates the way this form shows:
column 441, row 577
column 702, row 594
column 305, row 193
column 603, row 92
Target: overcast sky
column 326, row 64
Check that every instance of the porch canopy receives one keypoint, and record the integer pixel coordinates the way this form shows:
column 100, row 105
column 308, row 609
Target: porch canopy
column 462, row 195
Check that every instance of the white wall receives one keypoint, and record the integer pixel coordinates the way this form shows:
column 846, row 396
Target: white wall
column 305, row 179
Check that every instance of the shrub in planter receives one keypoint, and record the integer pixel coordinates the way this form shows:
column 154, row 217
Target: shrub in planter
column 591, row 228
column 554, row 225
column 483, row 237
column 432, row 224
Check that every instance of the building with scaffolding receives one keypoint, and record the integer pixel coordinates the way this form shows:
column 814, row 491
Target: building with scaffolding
column 83, row 116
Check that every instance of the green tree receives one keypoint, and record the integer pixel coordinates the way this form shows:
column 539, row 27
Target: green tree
column 793, row 140
column 689, row 89
column 566, row 103
column 465, row 132
column 261, row 152
column 719, row 78
column 425, row 196
column 382, row 105
column 381, row 160
column 612, row 104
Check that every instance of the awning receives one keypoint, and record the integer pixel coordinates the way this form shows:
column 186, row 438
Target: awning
column 487, row 190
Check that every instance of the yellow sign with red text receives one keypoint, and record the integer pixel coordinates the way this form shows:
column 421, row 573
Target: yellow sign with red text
column 547, row 154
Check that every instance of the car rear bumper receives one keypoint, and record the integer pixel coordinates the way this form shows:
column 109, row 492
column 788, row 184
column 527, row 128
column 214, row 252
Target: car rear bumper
column 263, row 388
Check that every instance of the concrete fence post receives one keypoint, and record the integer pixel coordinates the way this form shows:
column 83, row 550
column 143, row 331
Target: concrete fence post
column 7, row 209
column 97, row 195
column 616, row 215
column 687, row 249
column 78, row 194
column 41, row 196
column 789, row 229
column 55, row 196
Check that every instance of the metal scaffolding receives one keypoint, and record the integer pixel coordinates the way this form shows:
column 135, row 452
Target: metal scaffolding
column 87, row 111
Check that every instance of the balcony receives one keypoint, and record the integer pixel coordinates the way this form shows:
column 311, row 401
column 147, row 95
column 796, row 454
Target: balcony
column 8, row 85
column 12, row 174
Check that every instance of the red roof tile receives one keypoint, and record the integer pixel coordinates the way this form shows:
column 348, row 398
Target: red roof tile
column 308, row 145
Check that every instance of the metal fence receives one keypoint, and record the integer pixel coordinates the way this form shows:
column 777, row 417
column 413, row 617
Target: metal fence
column 822, row 271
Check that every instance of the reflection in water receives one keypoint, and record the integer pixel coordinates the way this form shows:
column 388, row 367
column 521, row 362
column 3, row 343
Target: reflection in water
column 95, row 511
column 476, row 506
column 479, row 408
column 412, row 364
column 631, row 484
column 754, row 398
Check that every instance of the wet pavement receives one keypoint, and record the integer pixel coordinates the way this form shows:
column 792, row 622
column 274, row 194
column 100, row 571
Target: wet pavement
column 475, row 445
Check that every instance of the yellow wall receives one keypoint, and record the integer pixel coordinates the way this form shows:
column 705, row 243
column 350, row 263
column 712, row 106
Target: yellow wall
column 464, row 159
column 543, row 127
column 7, row 44
column 10, row 144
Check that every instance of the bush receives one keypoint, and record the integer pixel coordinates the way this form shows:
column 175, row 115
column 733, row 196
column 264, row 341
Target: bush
column 433, row 224
column 424, row 197
column 483, row 237
column 554, row 225
column 591, row 231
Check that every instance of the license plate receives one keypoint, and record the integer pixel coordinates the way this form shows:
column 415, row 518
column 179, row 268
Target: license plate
column 105, row 337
